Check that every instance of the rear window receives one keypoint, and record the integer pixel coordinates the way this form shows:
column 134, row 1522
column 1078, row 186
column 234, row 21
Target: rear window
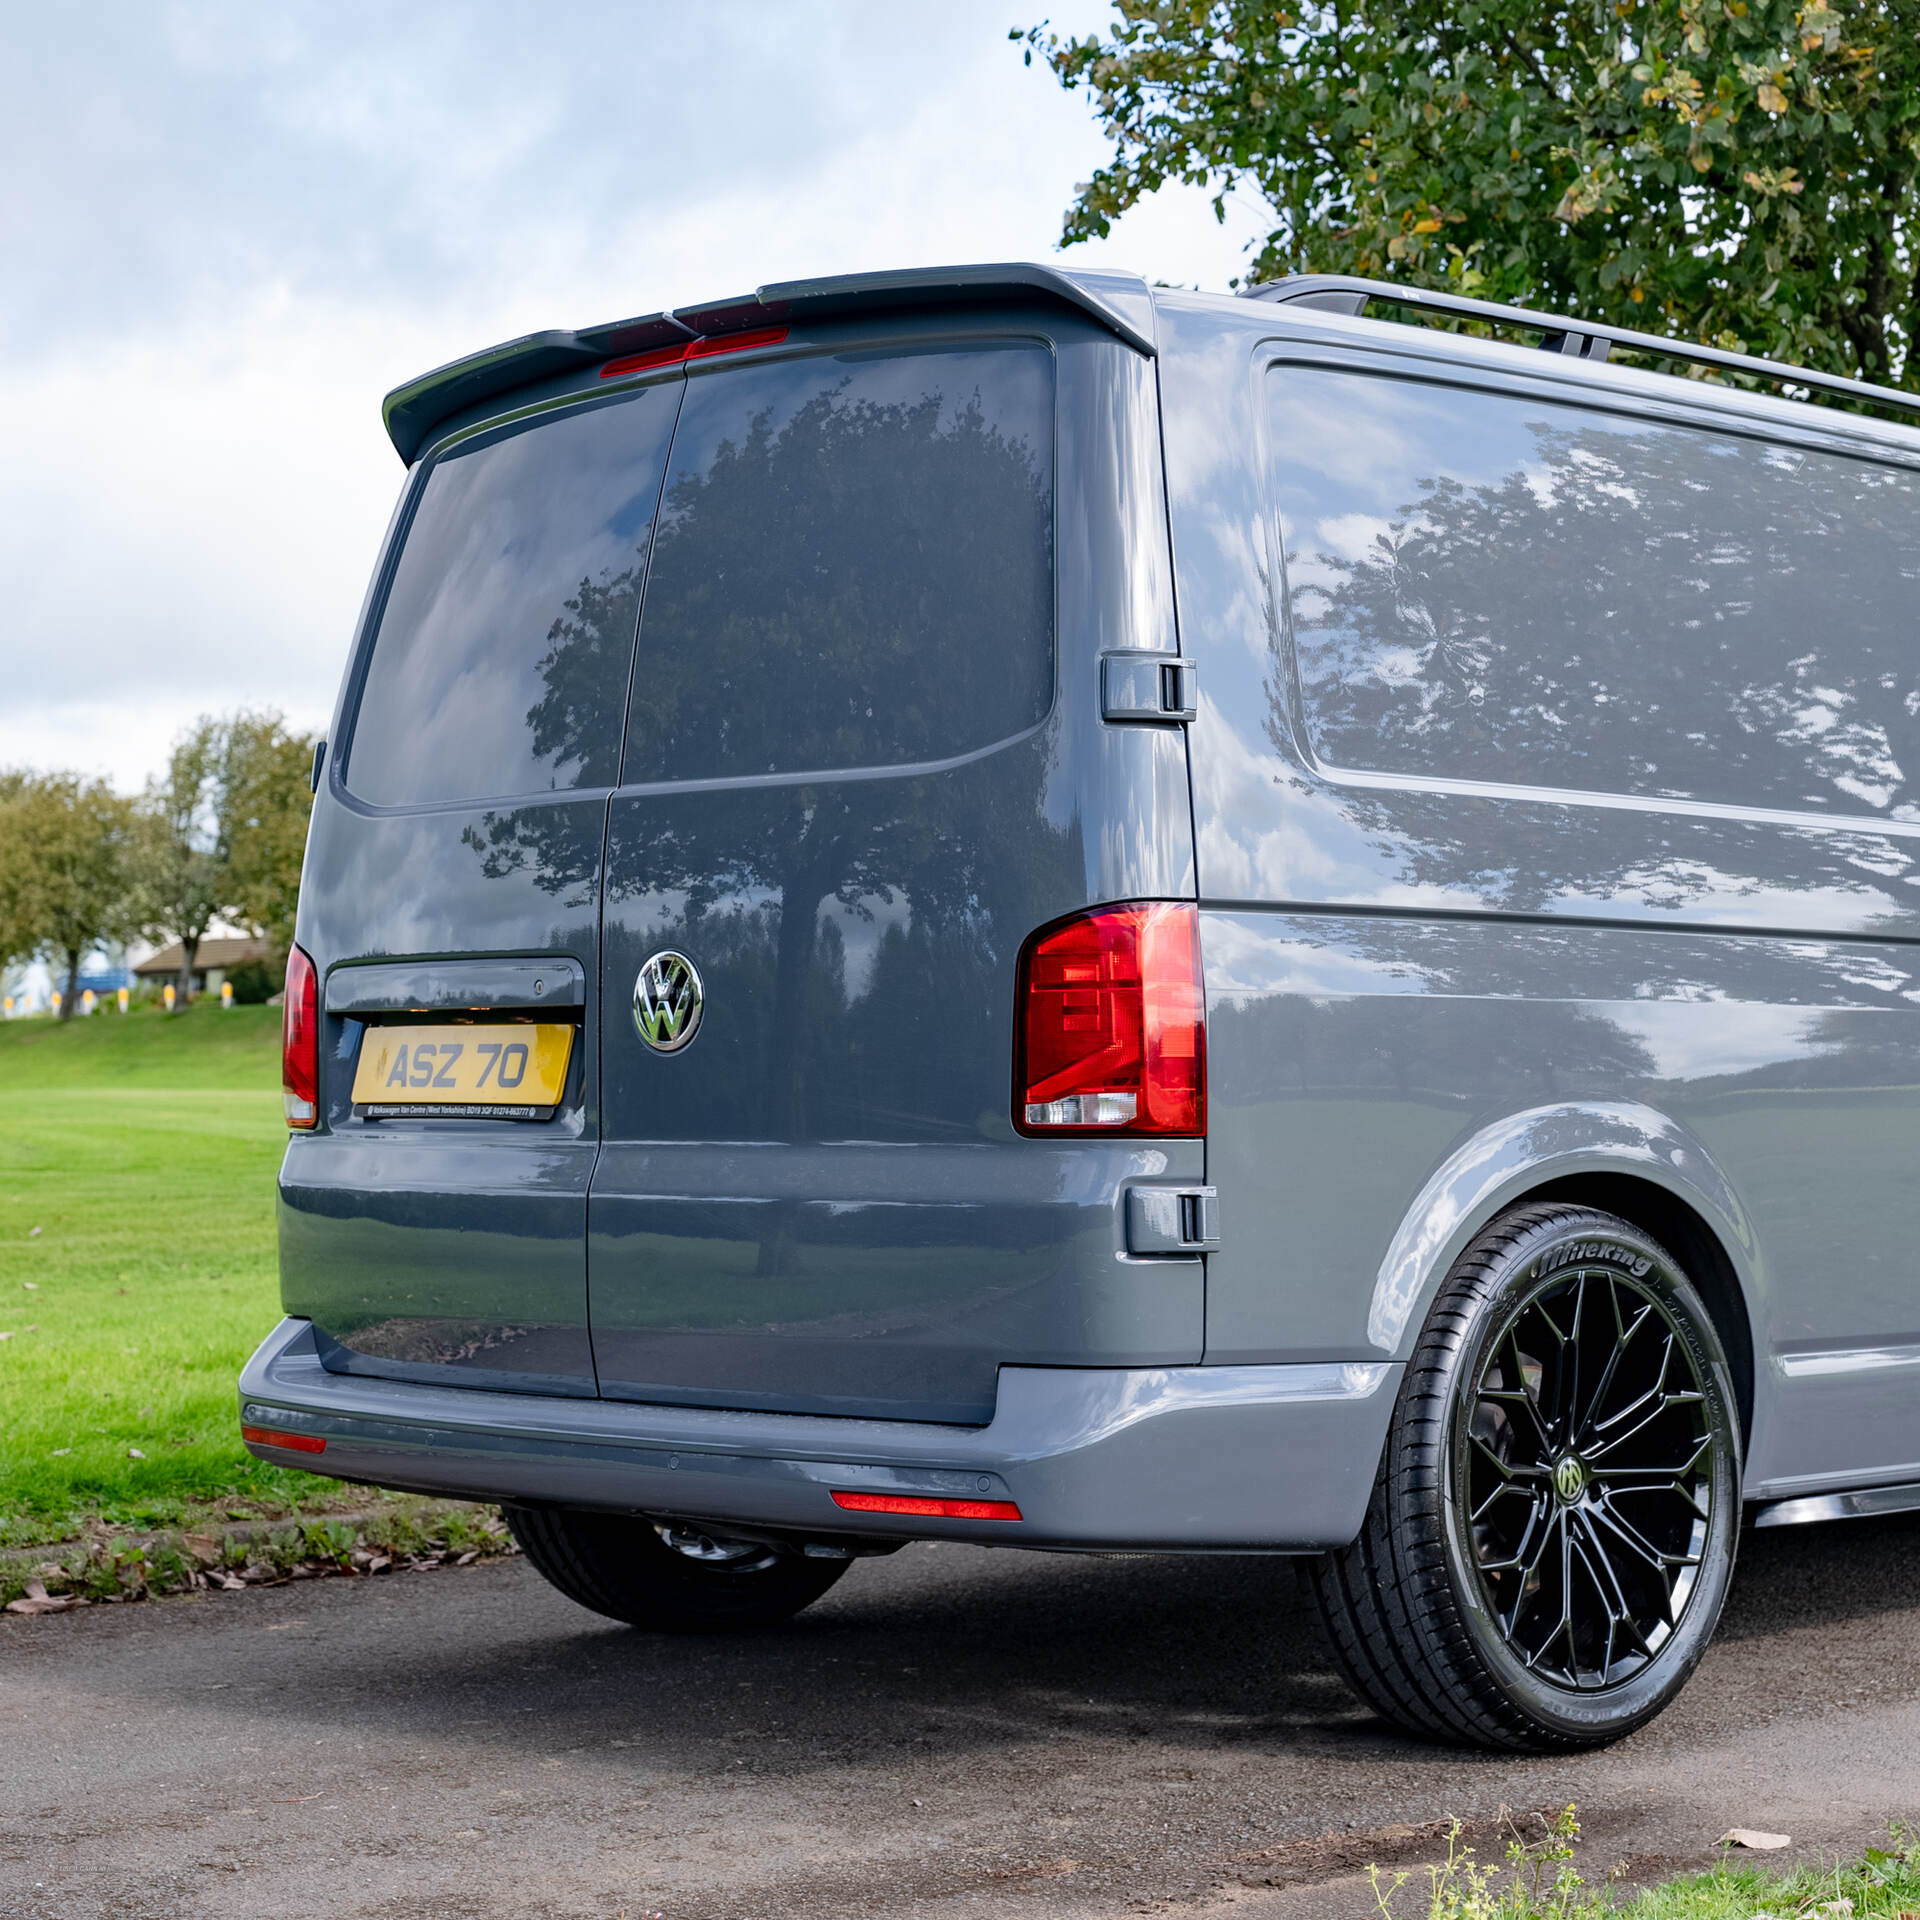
column 853, row 568
column 506, row 641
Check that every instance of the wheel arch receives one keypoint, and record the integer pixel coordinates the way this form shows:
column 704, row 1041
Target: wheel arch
column 1624, row 1159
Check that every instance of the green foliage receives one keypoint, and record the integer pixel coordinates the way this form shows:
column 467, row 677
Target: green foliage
column 1740, row 172
column 254, row 982
column 181, row 879
column 1540, row 1882
column 224, row 829
column 388, row 1532
column 267, row 796
column 65, row 870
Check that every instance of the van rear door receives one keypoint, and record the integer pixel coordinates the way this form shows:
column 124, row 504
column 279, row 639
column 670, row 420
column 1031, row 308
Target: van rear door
column 433, row 1227
column 849, row 795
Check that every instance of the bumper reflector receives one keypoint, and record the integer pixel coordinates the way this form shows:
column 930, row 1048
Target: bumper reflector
column 271, row 1437
column 933, row 1509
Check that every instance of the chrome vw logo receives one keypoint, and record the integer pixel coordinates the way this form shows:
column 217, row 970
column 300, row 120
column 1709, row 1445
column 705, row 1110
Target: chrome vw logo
column 1569, row 1479
column 667, row 1001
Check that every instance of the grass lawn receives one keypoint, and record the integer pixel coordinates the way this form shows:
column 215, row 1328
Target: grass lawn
column 143, row 1148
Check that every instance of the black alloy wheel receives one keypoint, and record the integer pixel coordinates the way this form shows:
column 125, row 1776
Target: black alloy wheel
column 1585, row 1477
column 1552, row 1532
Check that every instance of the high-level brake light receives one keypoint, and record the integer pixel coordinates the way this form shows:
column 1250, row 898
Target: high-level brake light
column 1112, row 1025
column 736, row 342
column 300, row 1042
column 929, row 1508
column 693, row 350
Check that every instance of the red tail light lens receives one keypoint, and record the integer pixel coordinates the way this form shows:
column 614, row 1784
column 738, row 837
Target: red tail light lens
column 293, row 1442
column 300, row 1042
column 931, row 1509
column 1112, row 1025
column 640, row 362
column 693, row 350
column 736, row 342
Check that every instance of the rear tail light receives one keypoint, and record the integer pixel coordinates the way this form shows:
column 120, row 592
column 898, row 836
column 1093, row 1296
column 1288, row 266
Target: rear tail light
column 1112, row 1025
column 293, row 1442
column 929, row 1508
column 300, row 1042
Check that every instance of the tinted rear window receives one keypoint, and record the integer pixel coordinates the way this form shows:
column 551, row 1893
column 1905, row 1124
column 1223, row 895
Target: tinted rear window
column 854, row 566
column 506, row 641
column 1494, row 588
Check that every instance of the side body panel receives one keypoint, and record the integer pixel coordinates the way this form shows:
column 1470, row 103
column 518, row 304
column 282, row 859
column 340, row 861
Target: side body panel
column 820, row 1204
column 1429, row 996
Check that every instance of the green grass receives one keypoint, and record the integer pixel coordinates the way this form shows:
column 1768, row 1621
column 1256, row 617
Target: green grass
column 1539, row 1881
column 236, row 1050
column 144, row 1149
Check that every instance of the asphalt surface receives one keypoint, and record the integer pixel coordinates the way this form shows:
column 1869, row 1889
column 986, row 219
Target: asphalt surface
column 951, row 1731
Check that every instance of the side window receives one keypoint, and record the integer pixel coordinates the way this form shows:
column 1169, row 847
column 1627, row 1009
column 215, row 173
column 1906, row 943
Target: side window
column 854, row 566
column 506, row 642
column 1487, row 587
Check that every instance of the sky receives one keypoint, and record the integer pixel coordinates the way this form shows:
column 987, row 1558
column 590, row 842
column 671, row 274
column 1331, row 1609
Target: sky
column 229, row 230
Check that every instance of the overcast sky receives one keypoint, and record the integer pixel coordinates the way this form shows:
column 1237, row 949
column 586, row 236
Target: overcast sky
column 230, row 229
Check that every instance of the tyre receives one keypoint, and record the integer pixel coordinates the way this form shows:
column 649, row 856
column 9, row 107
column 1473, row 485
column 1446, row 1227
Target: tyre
column 668, row 1579
column 1552, row 1530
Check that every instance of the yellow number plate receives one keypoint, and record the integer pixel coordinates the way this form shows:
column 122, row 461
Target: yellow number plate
column 520, row 1065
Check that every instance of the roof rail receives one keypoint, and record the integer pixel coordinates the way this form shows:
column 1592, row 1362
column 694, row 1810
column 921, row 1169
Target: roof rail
column 1583, row 339
column 414, row 410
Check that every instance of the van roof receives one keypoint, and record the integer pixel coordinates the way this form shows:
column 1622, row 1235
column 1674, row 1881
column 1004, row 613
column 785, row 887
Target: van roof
column 1120, row 302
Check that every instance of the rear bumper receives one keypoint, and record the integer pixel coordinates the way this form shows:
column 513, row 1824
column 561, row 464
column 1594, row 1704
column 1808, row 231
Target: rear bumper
column 1178, row 1458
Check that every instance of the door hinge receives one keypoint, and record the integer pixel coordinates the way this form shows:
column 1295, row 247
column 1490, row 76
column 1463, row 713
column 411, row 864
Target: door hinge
column 1173, row 1219
column 1148, row 686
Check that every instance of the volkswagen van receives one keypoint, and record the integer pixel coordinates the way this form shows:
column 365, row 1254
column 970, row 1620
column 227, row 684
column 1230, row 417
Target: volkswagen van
column 998, row 905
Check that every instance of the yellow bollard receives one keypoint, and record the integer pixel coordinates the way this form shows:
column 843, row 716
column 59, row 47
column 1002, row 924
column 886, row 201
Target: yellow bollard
column 123, row 996
column 226, row 995
column 86, row 1001
column 9, row 1006
column 56, row 1003
column 166, row 994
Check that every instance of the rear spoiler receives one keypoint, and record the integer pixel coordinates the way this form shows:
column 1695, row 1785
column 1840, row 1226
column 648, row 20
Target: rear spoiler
column 1118, row 301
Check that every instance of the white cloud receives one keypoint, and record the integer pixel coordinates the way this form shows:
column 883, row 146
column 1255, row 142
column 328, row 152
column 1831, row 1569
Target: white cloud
column 229, row 231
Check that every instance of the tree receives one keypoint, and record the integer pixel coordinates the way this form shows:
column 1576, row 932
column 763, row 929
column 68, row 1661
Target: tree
column 184, row 877
column 266, row 798
column 1740, row 172
column 223, row 831
column 64, row 869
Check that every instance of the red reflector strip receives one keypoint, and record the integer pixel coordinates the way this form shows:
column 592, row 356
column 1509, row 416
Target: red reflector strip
column 736, row 342
column 295, row 1442
column 933, row 1509
column 640, row 362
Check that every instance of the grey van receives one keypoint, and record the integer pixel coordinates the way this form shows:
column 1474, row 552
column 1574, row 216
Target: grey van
column 997, row 905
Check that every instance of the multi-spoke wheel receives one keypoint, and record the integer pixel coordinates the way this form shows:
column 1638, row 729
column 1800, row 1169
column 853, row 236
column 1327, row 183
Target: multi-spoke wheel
column 672, row 1578
column 1553, row 1528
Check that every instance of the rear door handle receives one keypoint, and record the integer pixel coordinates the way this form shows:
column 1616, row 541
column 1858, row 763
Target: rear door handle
column 1148, row 686
column 1173, row 1219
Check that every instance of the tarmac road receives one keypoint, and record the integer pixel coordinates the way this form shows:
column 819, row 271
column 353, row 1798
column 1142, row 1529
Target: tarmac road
column 951, row 1731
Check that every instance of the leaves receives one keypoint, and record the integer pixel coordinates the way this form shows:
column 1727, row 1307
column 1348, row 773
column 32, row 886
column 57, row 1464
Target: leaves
column 222, row 831
column 1746, row 169
column 65, row 868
